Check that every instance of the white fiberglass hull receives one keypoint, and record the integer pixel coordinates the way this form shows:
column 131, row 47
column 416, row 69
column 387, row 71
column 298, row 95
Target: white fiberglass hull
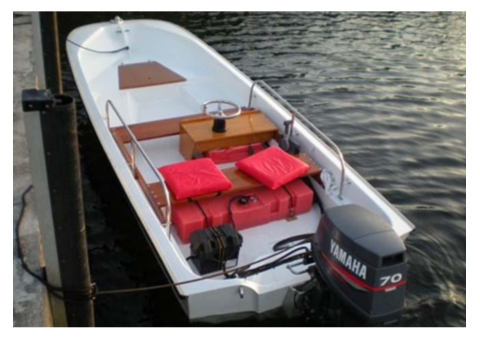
column 209, row 76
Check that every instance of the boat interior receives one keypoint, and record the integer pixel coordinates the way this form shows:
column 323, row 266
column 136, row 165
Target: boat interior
column 293, row 208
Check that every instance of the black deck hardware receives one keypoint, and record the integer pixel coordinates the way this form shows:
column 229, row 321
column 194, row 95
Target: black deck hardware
column 213, row 247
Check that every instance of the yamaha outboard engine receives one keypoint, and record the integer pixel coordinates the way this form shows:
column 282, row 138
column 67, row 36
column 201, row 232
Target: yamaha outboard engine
column 362, row 261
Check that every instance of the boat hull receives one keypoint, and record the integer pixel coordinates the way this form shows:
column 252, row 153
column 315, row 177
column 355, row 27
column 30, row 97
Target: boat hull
column 208, row 76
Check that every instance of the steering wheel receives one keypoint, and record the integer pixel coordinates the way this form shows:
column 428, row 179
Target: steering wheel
column 220, row 116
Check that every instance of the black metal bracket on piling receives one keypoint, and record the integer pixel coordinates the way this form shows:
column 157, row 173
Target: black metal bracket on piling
column 36, row 100
column 51, row 128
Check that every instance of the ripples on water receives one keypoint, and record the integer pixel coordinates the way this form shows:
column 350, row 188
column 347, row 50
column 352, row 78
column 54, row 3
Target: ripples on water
column 389, row 88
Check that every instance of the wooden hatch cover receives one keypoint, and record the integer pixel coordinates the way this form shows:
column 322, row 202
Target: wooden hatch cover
column 149, row 73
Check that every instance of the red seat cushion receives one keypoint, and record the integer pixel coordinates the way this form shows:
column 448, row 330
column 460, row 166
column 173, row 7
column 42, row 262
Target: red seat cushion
column 273, row 167
column 194, row 178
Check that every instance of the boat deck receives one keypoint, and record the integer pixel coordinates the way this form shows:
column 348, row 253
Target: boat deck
column 161, row 140
column 259, row 240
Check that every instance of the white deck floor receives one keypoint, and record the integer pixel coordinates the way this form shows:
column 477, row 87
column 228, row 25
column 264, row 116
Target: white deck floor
column 258, row 241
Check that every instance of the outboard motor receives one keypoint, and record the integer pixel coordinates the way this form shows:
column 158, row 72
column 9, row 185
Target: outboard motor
column 362, row 261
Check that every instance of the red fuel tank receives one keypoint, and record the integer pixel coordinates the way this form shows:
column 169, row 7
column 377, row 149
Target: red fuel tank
column 265, row 205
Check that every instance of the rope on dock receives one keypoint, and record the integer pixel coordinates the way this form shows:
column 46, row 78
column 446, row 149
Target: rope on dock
column 20, row 16
column 76, row 295
column 229, row 272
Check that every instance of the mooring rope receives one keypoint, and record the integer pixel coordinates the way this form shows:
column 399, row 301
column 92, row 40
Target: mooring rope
column 174, row 284
column 75, row 295
column 18, row 16
column 21, row 23
column 82, row 295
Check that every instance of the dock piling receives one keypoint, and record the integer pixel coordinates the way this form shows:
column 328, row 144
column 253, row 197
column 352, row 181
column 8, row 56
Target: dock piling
column 51, row 129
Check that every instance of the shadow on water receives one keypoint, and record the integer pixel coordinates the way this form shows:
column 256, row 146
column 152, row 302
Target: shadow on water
column 390, row 88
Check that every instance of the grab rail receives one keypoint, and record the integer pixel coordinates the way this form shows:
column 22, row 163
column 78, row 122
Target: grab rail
column 296, row 114
column 136, row 145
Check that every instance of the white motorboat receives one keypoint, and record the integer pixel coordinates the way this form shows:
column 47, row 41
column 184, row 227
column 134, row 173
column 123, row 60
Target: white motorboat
column 149, row 88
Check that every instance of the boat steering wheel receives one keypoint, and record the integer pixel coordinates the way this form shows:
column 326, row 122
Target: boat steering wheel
column 220, row 116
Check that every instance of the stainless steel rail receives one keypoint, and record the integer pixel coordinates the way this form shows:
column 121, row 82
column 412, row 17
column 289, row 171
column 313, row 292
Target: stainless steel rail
column 136, row 146
column 296, row 114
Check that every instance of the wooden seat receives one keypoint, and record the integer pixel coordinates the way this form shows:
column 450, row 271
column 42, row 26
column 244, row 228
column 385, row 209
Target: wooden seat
column 240, row 182
column 154, row 129
column 161, row 128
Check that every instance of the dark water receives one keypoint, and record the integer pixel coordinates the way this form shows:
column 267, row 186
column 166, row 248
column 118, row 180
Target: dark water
column 390, row 88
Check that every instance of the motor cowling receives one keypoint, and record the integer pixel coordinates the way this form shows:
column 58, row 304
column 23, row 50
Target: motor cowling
column 362, row 261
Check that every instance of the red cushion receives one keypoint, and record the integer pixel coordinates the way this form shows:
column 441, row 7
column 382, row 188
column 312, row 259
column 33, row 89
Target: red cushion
column 273, row 167
column 194, row 178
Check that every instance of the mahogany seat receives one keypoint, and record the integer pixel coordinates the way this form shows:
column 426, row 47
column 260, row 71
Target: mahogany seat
column 162, row 127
